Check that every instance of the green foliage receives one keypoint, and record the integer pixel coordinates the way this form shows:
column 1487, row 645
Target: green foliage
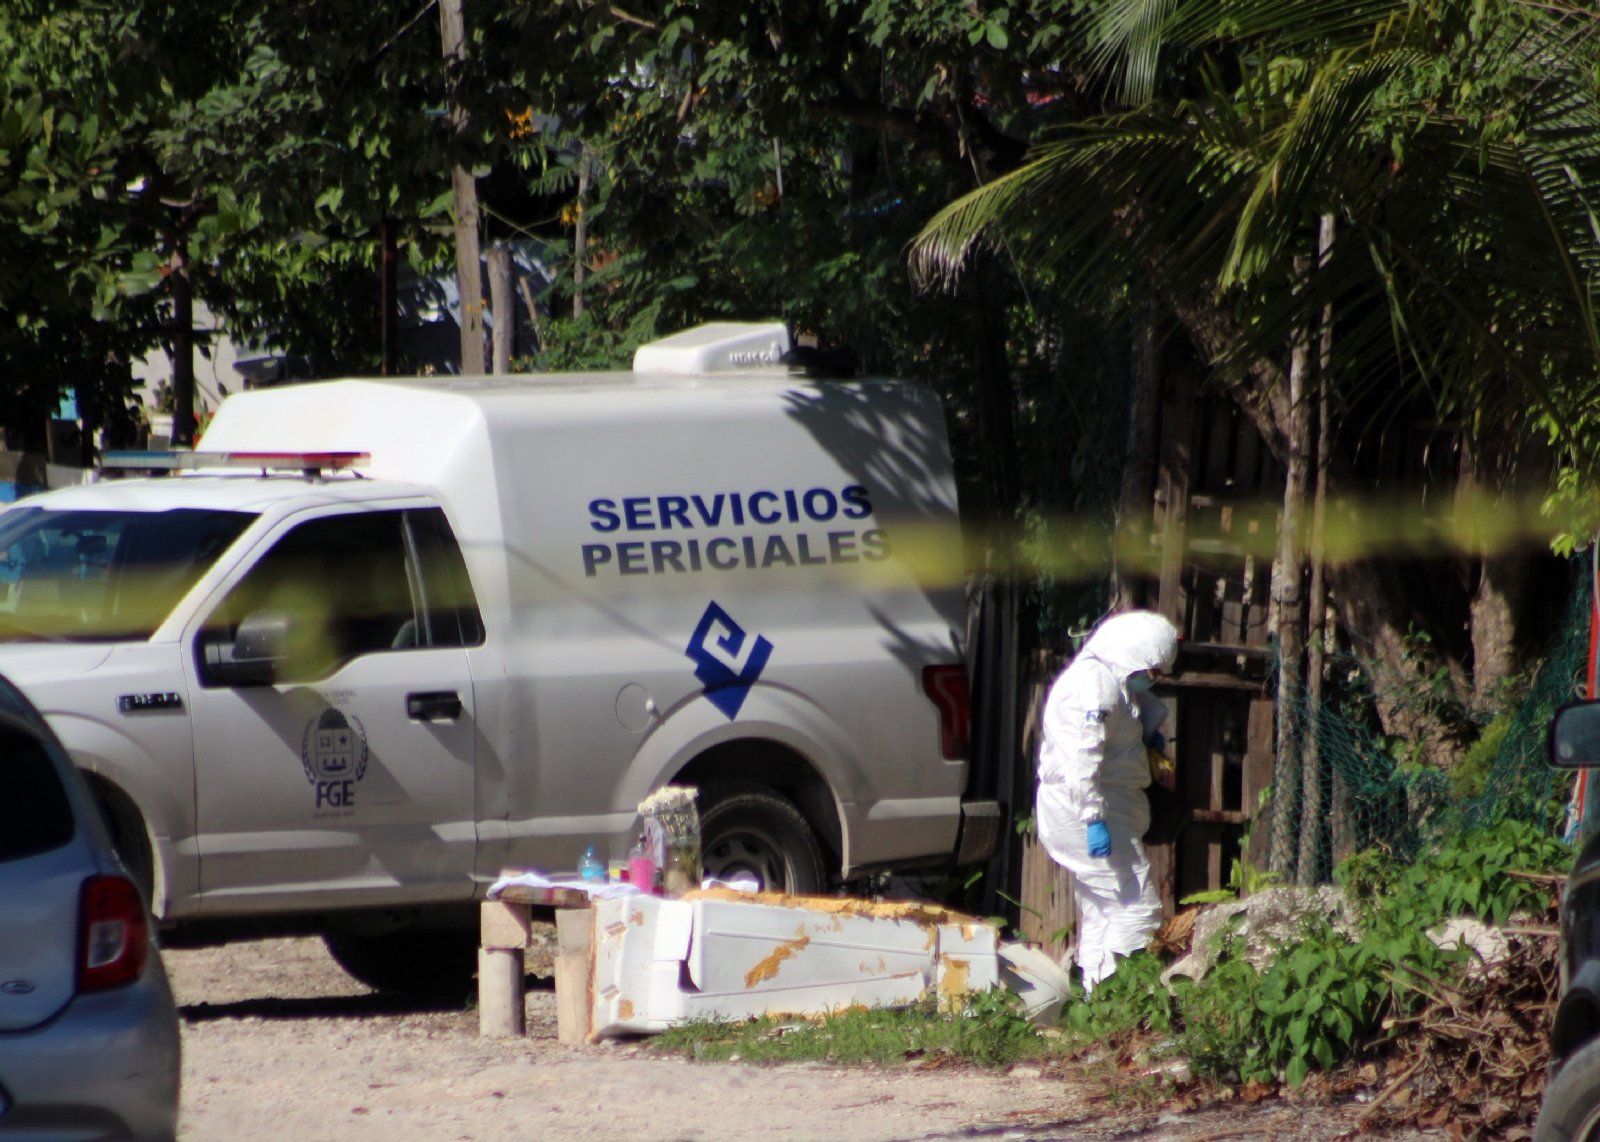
column 1131, row 998
column 1471, row 770
column 1451, row 143
column 990, row 1030
column 1468, row 875
column 1329, row 988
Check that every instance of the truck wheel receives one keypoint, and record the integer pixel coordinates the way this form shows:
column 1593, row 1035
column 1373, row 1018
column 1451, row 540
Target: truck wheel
column 435, row 965
column 1571, row 1109
column 751, row 829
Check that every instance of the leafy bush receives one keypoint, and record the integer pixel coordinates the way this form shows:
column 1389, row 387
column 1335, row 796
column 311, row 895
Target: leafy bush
column 1326, row 992
column 1468, row 875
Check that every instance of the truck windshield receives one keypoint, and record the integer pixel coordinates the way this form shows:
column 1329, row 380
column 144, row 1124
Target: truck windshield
column 109, row 576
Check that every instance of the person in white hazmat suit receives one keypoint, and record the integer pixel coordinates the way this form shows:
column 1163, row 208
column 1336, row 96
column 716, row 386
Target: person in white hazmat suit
column 1099, row 721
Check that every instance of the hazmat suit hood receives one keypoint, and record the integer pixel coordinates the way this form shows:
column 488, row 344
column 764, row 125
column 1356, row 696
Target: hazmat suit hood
column 1135, row 641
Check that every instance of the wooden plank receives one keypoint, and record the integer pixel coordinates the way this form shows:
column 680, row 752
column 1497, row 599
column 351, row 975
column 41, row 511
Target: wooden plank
column 549, row 897
column 1220, row 817
column 1047, row 892
column 1205, row 680
column 574, row 974
column 503, row 924
column 1258, row 758
column 1213, row 858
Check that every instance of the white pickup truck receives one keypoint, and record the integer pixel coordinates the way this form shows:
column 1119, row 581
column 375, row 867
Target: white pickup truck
column 385, row 638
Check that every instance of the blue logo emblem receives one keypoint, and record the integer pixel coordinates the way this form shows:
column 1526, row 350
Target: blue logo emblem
column 717, row 660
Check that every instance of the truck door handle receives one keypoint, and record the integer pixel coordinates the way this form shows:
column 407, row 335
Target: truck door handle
column 433, row 706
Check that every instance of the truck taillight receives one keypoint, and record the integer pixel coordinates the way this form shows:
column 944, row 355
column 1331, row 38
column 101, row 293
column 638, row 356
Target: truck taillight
column 113, row 935
column 947, row 686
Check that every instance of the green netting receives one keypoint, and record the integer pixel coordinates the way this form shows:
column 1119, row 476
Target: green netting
column 1366, row 790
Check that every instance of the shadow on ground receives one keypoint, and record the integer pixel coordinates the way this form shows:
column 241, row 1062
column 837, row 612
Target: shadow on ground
column 335, row 1006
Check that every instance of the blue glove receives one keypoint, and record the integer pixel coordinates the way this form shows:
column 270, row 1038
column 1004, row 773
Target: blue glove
column 1157, row 741
column 1099, row 839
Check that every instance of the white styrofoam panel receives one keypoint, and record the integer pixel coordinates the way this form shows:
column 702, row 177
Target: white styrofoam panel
column 624, row 956
column 674, row 925
column 741, row 947
column 818, row 999
column 968, row 961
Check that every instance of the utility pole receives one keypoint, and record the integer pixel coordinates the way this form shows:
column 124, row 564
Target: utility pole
column 469, row 282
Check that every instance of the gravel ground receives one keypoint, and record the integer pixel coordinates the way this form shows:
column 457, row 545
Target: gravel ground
column 280, row 1044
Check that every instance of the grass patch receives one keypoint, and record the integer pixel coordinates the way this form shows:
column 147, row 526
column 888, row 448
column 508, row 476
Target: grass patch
column 989, row 1031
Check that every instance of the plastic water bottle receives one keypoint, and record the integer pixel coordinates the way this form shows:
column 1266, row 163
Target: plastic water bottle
column 591, row 868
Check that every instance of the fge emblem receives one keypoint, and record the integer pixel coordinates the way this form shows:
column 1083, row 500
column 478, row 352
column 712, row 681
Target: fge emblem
column 333, row 751
column 727, row 661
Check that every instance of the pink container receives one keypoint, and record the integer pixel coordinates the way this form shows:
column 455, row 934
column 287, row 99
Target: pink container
column 642, row 872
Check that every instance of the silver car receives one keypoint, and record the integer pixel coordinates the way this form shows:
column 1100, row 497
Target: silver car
column 88, row 1031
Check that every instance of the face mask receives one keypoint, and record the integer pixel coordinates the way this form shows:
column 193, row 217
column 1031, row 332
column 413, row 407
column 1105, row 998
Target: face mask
column 1140, row 682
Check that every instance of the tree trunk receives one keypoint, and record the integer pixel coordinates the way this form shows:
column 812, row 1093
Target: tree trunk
column 1311, row 767
column 469, row 281
column 1288, row 592
column 179, row 282
column 505, row 312
column 389, row 290
column 1135, row 503
column 1372, row 604
column 580, row 233
column 1493, row 467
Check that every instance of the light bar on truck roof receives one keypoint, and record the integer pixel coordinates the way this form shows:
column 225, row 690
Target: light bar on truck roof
column 311, row 463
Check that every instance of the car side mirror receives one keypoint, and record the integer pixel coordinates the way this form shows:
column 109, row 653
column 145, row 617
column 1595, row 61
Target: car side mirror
column 1574, row 737
column 253, row 657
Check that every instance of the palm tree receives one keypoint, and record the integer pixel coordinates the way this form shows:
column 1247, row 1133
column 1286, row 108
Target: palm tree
column 1449, row 146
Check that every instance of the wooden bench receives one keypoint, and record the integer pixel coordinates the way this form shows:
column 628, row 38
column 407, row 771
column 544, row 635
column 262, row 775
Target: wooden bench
column 505, row 926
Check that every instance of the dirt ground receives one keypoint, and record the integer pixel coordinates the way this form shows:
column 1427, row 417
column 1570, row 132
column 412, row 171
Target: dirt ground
column 280, row 1044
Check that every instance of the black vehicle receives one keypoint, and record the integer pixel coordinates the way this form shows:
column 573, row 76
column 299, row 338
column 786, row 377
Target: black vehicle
column 1571, row 1109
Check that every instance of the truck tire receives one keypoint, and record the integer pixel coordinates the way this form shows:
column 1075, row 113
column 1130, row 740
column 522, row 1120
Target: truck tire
column 752, row 829
column 1571, row 1108
column 430, row 964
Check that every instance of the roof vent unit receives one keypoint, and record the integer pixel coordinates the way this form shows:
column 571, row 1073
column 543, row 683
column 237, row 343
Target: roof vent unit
column 722, row 347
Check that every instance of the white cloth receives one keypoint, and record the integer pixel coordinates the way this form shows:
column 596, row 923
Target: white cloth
column 597, row 889
column 1093, row 766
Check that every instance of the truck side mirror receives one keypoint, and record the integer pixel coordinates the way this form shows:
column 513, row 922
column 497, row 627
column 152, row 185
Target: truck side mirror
column 254, row 655
column 1574, row 737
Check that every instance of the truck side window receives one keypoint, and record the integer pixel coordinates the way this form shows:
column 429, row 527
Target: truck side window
column 347, row 586
column 450, row 607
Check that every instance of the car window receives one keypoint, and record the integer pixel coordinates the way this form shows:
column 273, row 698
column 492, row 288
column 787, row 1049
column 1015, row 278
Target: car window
column 346, row 585
column 452, row 609
column 35, row 815
column 103, row 576
column 358, row 584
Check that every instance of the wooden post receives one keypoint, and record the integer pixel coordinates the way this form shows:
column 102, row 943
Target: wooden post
column 505, row 311
column 503, row 934
column 469, row 283
column 574, row 1002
